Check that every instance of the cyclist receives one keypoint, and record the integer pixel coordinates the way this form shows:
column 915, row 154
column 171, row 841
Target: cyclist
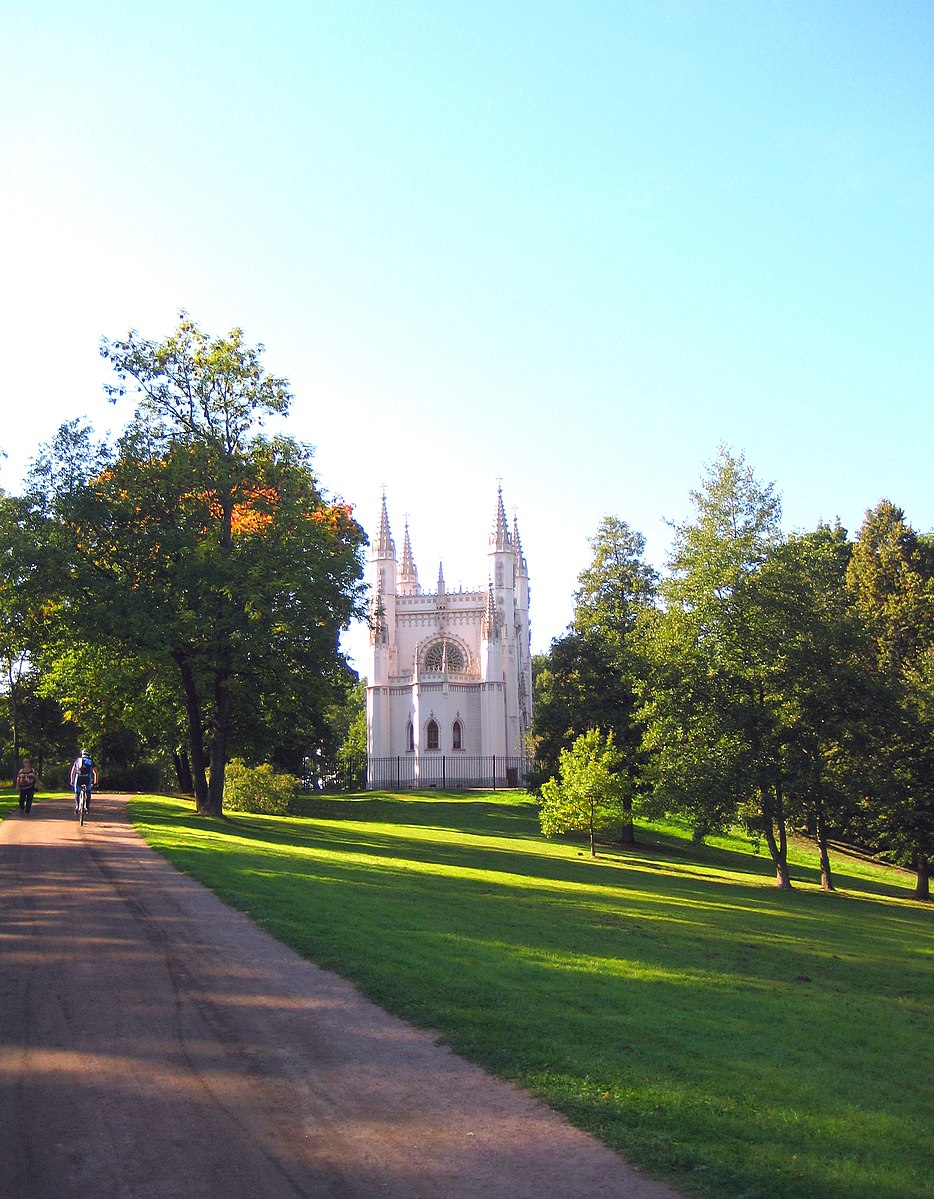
column 83, row 771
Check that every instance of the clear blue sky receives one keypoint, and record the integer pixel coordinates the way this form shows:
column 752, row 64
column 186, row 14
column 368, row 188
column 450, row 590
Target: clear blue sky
column 574, row 246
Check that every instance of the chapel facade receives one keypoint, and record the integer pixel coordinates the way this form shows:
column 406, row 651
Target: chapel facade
column 449, row 691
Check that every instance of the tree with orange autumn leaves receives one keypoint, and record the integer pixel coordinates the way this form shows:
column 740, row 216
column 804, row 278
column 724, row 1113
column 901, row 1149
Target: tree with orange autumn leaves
column 208, row 549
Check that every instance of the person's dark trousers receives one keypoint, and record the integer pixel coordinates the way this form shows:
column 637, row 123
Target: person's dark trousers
column 25, row 801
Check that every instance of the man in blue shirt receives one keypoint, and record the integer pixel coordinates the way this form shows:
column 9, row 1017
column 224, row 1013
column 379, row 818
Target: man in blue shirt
column 83, row 771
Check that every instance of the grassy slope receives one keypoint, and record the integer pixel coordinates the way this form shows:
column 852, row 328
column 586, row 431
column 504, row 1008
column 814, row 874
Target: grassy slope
column 739, row 1041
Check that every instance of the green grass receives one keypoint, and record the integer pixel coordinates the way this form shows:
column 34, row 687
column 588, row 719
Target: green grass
column 739, row 1041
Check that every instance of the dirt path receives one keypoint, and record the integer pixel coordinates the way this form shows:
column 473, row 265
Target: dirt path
column 155, row 1044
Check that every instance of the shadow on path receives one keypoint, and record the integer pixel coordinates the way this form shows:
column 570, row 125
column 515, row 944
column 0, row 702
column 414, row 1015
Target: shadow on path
column 156, row 1044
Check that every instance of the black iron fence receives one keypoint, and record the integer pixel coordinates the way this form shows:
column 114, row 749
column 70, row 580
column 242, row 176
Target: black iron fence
column 445, row 772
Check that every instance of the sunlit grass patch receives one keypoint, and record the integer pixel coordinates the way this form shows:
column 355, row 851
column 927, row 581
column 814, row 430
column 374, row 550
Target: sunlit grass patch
column 739, row 1040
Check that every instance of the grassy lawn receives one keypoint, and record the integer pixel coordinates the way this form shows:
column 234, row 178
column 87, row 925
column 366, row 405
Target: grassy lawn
column 740, row 1042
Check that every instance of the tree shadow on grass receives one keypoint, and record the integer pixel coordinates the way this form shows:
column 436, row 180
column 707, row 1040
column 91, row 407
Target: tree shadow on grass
column 695, row 973
column 431, row 833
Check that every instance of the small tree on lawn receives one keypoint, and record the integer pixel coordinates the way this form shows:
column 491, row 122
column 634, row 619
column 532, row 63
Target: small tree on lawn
column 591, row 790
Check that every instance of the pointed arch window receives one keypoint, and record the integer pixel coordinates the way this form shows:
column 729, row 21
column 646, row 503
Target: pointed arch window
column 432, row 740
column 457, row 735
column 410, row 737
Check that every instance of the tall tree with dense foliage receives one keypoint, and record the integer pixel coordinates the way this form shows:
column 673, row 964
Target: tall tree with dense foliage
column 713, row 728
column 22, row 616
column 891, row 575
column 206, row 547
column 617, row 585
column 589, row 677
column 826, row 703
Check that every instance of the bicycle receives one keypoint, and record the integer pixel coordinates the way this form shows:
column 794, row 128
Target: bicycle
column 82, row 804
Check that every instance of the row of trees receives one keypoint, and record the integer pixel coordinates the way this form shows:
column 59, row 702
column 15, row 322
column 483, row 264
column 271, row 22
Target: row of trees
column 182, row 589
column 780, row 681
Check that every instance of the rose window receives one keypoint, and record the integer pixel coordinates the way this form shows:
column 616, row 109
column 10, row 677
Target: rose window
column 445, row 656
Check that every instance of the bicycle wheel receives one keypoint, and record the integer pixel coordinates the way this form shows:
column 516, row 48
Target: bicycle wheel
column 82, row 805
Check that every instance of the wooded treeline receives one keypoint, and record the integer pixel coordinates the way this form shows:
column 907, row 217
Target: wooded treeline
column 781, row 681
column 175, row 598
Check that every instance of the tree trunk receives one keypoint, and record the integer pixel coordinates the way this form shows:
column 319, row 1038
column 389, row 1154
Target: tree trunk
column 923, row 882
column 14, row 716
column 220, row 729
column 220, row 724
column 778, row 849
column 195, row 735
column 627, row 835
column 826, row 878
column 183, row 771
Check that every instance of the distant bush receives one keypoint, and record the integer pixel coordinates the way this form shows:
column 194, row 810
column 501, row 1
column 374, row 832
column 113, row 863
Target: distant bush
column 258, row 789
column 55, row 776
column 143, row 776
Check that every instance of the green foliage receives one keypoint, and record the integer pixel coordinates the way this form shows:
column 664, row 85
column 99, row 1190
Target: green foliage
column 23, row 574
column 258, row 789
column 616, row 585
column 579, row 685
column 891, row 576
column 133, row 776
column 827, row 705
column 199, row 551
column 589, row 795
column 589, row 678
column 349, row 723
column 712, row 710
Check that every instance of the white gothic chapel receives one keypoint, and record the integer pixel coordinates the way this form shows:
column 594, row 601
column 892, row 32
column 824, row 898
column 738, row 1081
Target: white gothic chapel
column 449, row 692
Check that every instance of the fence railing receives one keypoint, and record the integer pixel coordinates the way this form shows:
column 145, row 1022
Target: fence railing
column 444, row 772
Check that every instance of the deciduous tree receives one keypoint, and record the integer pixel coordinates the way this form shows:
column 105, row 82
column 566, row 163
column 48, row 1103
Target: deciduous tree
column 826, row 702
column 891, row 574
column 712, row 708
column 204, row 546
column 22, row 615
column 589, row 677
column 588, row 794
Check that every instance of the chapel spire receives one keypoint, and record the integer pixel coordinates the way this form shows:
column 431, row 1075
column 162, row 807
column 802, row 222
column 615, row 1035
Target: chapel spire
column 520, row 557
column 407, row 573
column 500, row 538
column 384, row 546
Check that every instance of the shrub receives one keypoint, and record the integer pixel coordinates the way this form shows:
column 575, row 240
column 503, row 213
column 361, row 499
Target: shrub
column 589, row 795
column 142, row 776
column 55, row 776
column 258, row 789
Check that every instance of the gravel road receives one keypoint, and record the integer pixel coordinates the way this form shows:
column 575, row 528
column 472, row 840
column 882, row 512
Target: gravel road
column 155, row 1044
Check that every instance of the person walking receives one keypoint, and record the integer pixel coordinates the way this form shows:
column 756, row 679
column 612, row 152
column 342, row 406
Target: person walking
column 27, row 781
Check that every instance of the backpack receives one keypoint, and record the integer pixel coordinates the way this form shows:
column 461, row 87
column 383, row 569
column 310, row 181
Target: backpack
column 85, row 768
